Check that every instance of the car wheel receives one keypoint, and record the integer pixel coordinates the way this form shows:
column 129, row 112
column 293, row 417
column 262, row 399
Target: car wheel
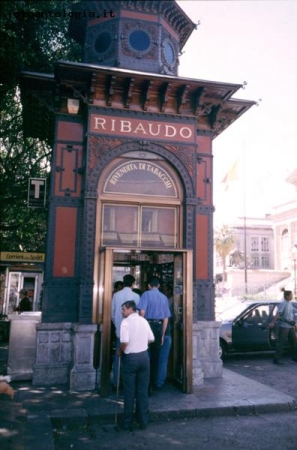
column 222, row 350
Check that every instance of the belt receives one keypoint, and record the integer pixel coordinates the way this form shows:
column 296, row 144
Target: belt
column 155, row 320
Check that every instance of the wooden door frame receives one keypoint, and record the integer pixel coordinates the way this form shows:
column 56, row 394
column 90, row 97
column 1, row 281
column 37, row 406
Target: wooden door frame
column 187, row 313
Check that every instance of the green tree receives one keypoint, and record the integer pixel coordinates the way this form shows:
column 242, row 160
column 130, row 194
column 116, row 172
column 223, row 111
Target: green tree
column 32, row 38
column 20, row 159
column 224, row 241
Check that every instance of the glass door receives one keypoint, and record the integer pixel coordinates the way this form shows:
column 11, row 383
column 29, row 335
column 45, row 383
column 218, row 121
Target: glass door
column 102, row 315
column 182, row 321
column 182, row 327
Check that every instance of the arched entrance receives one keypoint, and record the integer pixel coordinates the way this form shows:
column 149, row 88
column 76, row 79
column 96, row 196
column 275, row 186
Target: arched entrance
column 139, row 231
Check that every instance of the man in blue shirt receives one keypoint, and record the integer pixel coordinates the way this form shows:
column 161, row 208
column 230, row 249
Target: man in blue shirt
column 153, row 306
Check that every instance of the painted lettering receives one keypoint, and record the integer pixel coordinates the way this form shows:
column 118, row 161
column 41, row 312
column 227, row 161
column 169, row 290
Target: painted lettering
column 168, row 128
column 150, row 126
column 125, row 126
column 119, row 173
column 145, row 128
column 100, row 121
column 140, row 128
column 185, row 132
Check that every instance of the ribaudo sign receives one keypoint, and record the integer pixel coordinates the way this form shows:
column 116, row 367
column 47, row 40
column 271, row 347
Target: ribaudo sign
column 145, row 129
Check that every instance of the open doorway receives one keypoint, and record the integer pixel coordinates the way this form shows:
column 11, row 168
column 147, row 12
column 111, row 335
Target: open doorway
column 173, row 267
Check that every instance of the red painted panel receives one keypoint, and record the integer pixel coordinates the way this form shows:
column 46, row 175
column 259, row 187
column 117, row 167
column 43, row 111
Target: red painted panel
column 69, row 165
column 202, row 248
column 66, row 175
column 64, row 247
column 71, row 131
column 204, row 181
column 101, row 19
column 204, row 144
column 139, row 16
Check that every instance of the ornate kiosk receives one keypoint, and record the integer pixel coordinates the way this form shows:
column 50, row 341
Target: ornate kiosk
column 131, row 188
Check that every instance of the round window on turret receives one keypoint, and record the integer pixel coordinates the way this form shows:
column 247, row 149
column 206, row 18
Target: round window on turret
column 169, row 52
column 103, row 42
column 139, row 40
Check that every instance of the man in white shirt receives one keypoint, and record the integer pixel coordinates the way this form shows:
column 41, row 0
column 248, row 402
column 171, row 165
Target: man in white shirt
column 118, row 299
column 135, row 335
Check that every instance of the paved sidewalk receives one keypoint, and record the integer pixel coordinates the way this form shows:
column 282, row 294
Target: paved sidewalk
column 35, row 411
column 27, row 421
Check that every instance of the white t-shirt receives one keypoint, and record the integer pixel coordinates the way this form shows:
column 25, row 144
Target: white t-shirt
column 136, row 332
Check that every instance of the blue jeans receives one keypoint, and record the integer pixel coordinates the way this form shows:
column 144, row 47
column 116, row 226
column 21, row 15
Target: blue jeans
column 163, row 361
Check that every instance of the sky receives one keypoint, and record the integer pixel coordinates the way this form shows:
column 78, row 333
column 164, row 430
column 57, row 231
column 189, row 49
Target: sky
column 252, row 41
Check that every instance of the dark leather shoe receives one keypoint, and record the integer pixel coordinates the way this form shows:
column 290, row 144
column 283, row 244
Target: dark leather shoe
column 277, row 361
column 142, row 426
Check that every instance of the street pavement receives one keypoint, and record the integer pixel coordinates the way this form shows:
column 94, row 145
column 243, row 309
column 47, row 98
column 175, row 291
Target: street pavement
column 218, row 414
column 258, row 367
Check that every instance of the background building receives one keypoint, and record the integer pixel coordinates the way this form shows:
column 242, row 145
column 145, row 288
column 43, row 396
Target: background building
column 271, row 249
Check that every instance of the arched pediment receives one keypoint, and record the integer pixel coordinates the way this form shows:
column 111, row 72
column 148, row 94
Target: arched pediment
column 102, row 155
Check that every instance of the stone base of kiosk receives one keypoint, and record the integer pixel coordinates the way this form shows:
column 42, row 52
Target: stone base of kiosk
column 206, row 360
column 54, row 354
column 83, row 374
column 65, row 354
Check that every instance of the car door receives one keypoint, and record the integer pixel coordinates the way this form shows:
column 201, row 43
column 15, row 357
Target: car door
column 250, row 330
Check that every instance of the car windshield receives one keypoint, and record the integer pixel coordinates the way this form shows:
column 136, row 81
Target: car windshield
column 233, row 311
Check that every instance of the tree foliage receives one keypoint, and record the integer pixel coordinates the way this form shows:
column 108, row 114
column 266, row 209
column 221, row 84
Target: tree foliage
column 224, row 241
column 31, row 40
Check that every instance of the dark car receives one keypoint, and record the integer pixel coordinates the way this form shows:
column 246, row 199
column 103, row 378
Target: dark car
column 245, row 327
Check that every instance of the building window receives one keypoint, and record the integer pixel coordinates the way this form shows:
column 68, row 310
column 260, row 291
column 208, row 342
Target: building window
column 139, row 40
column 254, row 244
column 139, row 226
column 140, row 177
column 264, row 244
column 169, row 52
column 285, row 241
column 265, row 261
column 140, row 203
column 103, row 42
column 255, row 261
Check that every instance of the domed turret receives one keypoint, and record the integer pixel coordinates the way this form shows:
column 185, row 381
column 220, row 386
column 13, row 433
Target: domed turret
column 140, row 35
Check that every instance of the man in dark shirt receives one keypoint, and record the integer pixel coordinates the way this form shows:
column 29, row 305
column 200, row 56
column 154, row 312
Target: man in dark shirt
column 25, row 303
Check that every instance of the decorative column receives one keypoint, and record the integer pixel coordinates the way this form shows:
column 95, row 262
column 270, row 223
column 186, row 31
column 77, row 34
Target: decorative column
column 83, row 374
